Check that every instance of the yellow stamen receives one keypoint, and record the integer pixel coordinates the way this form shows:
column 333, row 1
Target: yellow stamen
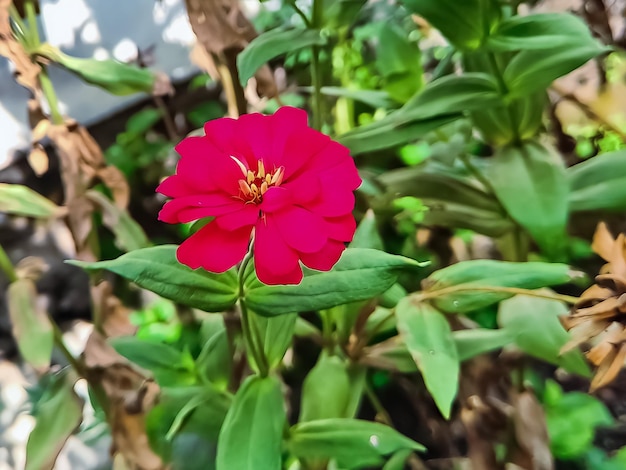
column 241, row 166
column 278, row 176
column 245, row 188
column 264, row 187
column 260, row 172
column 250, row 177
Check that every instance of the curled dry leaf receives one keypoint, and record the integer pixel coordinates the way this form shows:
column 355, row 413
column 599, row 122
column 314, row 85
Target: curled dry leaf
column 129, row 394
column 598, row 319
column 82, row 165
column 26, row 71
column 224, row 31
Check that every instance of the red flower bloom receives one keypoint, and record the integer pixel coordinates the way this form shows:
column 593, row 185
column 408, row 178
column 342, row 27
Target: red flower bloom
column 275, row 175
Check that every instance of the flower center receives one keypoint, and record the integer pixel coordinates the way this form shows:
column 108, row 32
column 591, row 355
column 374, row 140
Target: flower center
column 253, row 185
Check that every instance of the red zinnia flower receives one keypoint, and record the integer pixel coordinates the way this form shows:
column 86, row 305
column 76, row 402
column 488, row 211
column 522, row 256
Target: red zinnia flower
column 292, row 184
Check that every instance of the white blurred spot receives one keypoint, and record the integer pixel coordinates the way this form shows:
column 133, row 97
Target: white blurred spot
column 90, row 33
column 20, row 429
column 374, row 440
column 62, row 19
column 100, row 53
column 13, row 395
column 179, row 31
column 125, row 50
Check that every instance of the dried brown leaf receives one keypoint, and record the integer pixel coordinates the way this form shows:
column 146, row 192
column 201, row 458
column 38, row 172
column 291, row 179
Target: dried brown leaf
column 603, row 242
column 38, row 160
column 609, row 368
column 114, row 179
column 531, row 434
column 26, row 71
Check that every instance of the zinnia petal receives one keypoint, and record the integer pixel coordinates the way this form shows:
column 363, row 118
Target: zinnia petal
column 246, row 216
column 273, row 258
column 302, row 230
column 341, row 228
column 214, row 249
column 324, row 259
column 188, row 208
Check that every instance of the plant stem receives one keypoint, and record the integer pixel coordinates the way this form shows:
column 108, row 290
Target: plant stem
column 33, row 30
column 299, row 12
column 250, row 334
column 6, row 266
column 504, row 90
column 505, row 290
column 381, row 412
column 51, row 97
column 317, row 17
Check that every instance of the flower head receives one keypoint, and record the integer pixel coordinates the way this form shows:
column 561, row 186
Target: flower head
column 272, row 175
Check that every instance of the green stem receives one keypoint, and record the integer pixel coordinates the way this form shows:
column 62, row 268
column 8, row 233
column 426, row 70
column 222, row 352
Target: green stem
column 317, row 18
column 505, row 290
column 504, row 91
column 6, row 266
column 474, row 170
column 381, row 412
column 51, row 97
column 33, row 30
column 300, row 13
column 250, row 334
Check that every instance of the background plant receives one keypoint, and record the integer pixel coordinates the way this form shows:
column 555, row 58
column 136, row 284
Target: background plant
column 453, row 143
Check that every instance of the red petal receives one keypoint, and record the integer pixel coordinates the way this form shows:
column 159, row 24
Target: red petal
column 341, row 228
column 256, row 129
column 214, row 249
column 302, row 230
column 301, row 149
column 324, row 259
column 304, row 188
column 334, row 202
column 196, row 164
column 246, row 216
column 275, row 199
column 174, row 186
column 273, row 258
column 188, row 208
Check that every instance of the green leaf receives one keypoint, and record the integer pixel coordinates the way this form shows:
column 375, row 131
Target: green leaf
column 21, row 200
column 571, row 419
column 31, row 326
column 366, row 234
column 464, row 23
column 490, row 273
column 399, row 61
column 428, row 337
column 539, row 32
column 251, row 436
column 531, row 184
column 113, row 76
column 276, row 335
column 360, row 274
column 351, row 443
column 538, row 331
column 169, row 365
column 440, row 102
column 197, row 427
column 534, row 70
column 392, row 355
column 449, row 95
column 326, row 390
column 598, row 183
column 471, row 343
column 272, row 44
column 52, row 427
column 129, row 235
column 388, row 133
column 158, row 270
column 214, row 362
